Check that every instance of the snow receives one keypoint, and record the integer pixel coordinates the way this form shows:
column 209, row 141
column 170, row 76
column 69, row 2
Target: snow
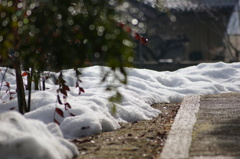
column 22, row 138
column 93, row 113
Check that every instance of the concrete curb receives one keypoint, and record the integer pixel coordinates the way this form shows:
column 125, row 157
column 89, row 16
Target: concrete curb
column 179, row 139
column 216, row 157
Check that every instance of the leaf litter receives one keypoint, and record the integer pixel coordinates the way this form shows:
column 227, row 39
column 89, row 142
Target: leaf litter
column 140, row 139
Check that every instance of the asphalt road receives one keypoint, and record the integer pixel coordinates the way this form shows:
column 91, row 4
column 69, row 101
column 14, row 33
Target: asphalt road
column 205, row 127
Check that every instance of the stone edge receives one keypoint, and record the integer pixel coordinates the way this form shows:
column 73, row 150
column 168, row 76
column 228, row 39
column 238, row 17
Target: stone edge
column 179, row 139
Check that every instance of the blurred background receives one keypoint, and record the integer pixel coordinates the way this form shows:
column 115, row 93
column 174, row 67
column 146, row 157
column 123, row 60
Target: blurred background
column 184, row 32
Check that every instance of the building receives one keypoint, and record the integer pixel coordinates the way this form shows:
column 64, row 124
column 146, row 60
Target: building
column 183, row 31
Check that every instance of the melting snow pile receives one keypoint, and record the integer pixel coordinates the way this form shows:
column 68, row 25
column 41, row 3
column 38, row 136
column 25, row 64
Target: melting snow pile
column 22, row 138
column 92, row 110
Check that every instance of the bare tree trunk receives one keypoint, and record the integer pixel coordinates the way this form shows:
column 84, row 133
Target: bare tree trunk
column 43, row 84
column 36, row 80
column 30, row 77
column 22, row 106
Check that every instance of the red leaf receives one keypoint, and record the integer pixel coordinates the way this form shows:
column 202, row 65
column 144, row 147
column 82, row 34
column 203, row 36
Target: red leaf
column 59, row 100
column 128, row 29
column 66, row 88
column 59, row 111
column 81, row 89
column 142, row 135
column 143, row 40
column 67, row 105
column 24, row 74
column 162, row 134
column 137, row 36
column 7, row 84
column 56, row 122
column 72, row 114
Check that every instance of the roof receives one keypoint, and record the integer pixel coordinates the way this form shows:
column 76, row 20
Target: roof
column 194, row 5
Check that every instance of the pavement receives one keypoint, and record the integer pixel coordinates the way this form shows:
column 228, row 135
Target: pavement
column 205, row 127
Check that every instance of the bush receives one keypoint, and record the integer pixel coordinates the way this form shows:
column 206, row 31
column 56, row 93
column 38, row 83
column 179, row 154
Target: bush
column 58, row 34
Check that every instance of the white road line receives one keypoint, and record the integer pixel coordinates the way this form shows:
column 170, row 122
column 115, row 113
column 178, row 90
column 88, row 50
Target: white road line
column 179, row 139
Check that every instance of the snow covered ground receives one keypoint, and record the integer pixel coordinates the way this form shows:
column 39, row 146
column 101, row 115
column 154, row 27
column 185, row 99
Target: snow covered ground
column 91, row 112
column 22, row 138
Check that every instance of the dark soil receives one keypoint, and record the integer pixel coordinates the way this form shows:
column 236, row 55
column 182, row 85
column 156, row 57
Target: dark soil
column 142, row 139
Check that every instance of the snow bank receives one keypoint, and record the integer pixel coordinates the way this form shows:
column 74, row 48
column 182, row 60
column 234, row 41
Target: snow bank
column 22, row 138
column 92, row 110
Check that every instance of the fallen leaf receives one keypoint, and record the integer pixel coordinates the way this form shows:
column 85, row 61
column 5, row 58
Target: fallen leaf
column 60, row 112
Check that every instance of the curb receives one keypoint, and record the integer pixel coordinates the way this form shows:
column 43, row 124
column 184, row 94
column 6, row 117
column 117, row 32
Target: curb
column 179, row 139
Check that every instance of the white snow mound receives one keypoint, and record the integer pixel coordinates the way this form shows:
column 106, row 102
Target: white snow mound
column 22, row 138
column 92, row 111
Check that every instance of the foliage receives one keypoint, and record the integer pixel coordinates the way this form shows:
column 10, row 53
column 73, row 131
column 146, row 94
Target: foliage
column 57, row 34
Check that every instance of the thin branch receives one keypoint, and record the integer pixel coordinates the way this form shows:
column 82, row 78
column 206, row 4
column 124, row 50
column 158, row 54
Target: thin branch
column 3, row 78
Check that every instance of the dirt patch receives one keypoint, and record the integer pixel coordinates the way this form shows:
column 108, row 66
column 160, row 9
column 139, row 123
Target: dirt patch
column 142, row 139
